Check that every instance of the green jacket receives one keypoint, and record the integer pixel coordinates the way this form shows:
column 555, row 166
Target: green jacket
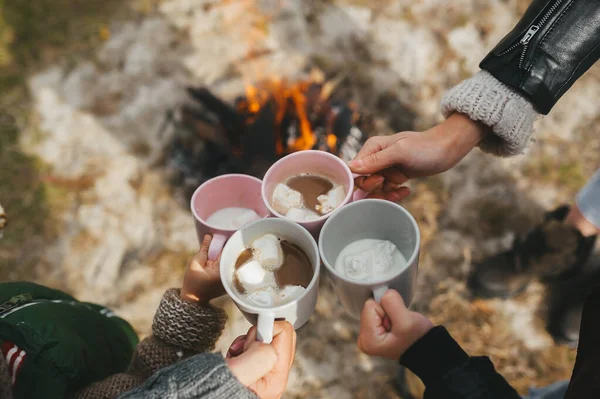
column 55, row 345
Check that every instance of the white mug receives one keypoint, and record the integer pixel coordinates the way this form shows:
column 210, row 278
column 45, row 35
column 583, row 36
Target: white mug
column 298, row 311
column 375, row 219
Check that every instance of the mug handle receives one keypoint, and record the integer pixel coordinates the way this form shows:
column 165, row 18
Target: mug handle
column 264, row 327
column 216, row 245
column 379, row 291
column 358, row 194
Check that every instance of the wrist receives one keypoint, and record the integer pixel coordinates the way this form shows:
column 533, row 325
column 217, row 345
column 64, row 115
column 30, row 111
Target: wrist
column 461, row 134
column 436, row 343
column 191, row 297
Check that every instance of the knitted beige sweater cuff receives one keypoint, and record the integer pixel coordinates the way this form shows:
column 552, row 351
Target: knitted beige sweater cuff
column 188, row 325
column 485, row 99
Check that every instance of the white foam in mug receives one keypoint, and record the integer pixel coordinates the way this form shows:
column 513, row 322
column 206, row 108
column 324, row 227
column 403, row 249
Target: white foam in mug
column 358, row 245
column 367, row 260
column 232, row 218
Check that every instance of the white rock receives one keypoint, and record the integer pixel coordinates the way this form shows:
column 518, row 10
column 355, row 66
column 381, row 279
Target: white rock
column 264, row 298
column 331, row 200
column 268, row 251
column 254, row 277
column 302, row 214
column 289, row 293
column 284, row 198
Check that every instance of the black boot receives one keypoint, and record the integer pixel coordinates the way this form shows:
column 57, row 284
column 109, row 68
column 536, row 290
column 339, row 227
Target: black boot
column 552, row 250
column 566, row 300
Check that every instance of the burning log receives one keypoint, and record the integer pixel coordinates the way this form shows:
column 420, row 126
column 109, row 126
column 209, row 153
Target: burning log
column 271, row 119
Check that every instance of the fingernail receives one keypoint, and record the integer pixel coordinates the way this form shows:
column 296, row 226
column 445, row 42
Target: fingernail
column 379, row 179
column 238, row 345
column 357, row 164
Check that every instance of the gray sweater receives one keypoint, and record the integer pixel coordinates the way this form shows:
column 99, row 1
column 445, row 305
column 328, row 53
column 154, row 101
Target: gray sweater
column 204, row 376
column 510, row 115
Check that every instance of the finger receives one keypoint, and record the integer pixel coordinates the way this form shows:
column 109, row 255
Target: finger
column 253, row 364
column 293, row 349
column 371, row 319
column 393, row 175
column 237, row 347
column 387, row 324
column 250, row 337
column 202, row 255
column 371, row 327
column 212, row 268
column 284, row 344
column 372, row 145
column 393, row 196
column 393, row 305
column 369, row 183
column 374, row 162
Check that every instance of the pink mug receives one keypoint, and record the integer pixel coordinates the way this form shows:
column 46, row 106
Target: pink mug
column 233, row 190
column 310, row 161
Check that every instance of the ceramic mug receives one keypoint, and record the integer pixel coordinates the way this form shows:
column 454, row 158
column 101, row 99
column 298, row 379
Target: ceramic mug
column 375, row 219
column 232, row 190
column 298, row 311
column 310, row 161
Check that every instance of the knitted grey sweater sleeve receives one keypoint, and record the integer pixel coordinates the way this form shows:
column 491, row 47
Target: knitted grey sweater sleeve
column 203, row 376
column 485, row 99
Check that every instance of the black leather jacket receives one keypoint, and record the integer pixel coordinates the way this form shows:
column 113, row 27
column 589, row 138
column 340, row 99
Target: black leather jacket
column 553, row 44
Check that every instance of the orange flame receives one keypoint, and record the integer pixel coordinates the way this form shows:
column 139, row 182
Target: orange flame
column 287, row 98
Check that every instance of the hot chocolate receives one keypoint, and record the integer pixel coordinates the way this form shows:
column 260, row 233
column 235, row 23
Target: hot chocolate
column 272, row 272
column 307, row 197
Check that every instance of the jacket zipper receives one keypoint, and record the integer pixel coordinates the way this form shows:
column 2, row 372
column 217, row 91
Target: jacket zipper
column 531, row 32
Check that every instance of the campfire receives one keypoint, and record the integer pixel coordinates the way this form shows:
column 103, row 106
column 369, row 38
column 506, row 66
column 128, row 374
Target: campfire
column 274, row 117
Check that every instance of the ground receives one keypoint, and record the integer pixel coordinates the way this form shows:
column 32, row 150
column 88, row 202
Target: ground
column 85, row 87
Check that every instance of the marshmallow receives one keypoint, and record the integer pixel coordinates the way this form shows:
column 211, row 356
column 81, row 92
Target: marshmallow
column 331, row 200
column 302, row 214
column 265, row 297
column 268, row 251
column 252, row 276
column 285, row 198
column 289, row 293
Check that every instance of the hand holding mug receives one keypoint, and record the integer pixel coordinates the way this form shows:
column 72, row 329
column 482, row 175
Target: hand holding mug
column 408, row 155
column 202, row 281
column 264, row 368
column 390, row 341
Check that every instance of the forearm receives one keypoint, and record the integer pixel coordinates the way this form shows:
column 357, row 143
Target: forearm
column 508, row 115
column 448, row 372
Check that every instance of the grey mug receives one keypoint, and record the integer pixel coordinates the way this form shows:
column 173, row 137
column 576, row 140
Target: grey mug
column 375, row 219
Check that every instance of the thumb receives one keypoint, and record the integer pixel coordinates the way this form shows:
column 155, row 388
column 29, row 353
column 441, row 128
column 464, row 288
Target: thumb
column 253, row 364
column 394, row 307
column 375, row 162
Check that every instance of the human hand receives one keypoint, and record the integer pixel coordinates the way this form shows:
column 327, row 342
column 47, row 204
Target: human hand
column 202, row 280
column 378, row 338
column 264, row 368
column 389, row 161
